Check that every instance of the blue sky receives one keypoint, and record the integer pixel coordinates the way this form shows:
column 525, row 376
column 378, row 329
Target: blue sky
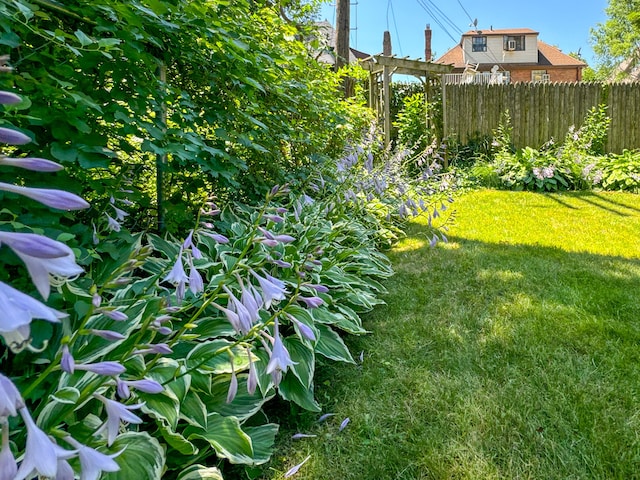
column 565, row 24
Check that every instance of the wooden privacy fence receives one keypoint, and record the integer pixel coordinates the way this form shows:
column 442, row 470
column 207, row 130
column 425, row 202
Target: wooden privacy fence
column 541, row 111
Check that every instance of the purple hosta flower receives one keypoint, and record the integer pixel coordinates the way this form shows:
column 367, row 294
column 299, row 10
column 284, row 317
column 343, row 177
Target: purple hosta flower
column 67, row 362
column 280, row 360
column 108, row 335
column 548, row 172
column 274, row 218
column 433, row 241
column 58, row 199
column 233, row 385
column 537, row 172
column 293, row 470
column 299, row 436
column 325, row 416
column 344, row 424
column 218, row 237
column 31, row 163
column 92, row 462
column 116, row 413
column 13, row 137
column 106, row 368
column 178, row 277
column 9, row 98
column 311, row 302
column 115, row 315
column 156, row 348
column 10, row 399
column 272, row 288
column 284, row 238
column 318, row 288
column 65, row 472
column 196, row 284
column 245, row 317
column 120, row 214
column 232, row 317
column 144, row 385
column 251, row 300
column 252, row 379
column 8, row 465
column 112, row 223
column 18, row 309
column 304, row 329
column 41, row 454
column 42, row 256
column 96, row 300
column 281, row 263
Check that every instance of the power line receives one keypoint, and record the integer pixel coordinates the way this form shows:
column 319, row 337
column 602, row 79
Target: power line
column 440, row 18
column 465, row 11
column 393, row 16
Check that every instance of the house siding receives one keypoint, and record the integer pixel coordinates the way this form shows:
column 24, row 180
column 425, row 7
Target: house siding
column 496, row 54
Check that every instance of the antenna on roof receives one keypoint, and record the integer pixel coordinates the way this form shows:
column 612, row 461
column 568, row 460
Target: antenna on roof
column 474, row 24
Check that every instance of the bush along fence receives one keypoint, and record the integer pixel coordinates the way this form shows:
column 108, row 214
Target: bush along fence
column 154, row 359
column 541, row 111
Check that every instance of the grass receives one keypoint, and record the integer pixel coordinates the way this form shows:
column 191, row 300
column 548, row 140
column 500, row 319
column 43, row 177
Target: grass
column 512, row 352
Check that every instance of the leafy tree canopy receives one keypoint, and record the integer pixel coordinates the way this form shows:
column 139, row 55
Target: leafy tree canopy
column 618, row 38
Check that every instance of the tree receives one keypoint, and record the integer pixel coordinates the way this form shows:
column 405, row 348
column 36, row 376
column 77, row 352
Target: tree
column 618, row 38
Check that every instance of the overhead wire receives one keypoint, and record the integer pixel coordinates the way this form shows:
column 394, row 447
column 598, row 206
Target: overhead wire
column 440, row 18
column 395, row 25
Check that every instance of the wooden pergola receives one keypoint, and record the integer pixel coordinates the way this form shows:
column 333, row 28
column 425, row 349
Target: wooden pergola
column 381, row 67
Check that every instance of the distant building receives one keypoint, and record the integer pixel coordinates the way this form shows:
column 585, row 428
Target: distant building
column 508, row 56
column 628, row 70
column 327, row 51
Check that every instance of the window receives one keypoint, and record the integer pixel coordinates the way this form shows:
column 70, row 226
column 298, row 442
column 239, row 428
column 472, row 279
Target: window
column 479, row 44
column 513, row 43
column 539, row 76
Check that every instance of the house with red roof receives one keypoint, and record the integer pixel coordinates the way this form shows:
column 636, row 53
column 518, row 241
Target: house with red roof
column 509, row 56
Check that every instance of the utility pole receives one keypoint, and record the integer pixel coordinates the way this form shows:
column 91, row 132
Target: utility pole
column 343, row 29
column 343, row 25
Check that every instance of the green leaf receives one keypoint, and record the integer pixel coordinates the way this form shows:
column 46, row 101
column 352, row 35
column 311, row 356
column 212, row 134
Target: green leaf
column 161, row 407
column 226, row 437
column 193, row 410
column 68, row 395
column 142, row 457
column 304, row 359
column 199, row 472
column 331, row 346
column 292, row 390
column 83, row 38
column 262, row 439
column 243, row 405
column 177, row 441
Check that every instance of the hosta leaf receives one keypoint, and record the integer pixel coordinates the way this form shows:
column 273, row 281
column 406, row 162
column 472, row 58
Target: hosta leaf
column 177, row 441
column 331, row 346
column 200, row 472
column 304, row 358
column 243, row 405
column 142, row 457
column 292, row 390
column 226, row 437
column 262, row 439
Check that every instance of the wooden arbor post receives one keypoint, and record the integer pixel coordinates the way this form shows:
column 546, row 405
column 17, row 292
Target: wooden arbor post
column 386, row 88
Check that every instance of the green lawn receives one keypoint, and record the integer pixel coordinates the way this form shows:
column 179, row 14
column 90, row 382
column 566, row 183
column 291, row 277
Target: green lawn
column 512, row 352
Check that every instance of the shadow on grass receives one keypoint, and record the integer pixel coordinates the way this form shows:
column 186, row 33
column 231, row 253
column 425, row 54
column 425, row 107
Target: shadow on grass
column 596, row 199
column 491, row 361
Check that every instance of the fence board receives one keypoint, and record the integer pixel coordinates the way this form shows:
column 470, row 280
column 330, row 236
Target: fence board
column 541, row 111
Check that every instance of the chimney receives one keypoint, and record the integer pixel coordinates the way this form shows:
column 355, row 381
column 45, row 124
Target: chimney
column 386, row 44
column 427, row 44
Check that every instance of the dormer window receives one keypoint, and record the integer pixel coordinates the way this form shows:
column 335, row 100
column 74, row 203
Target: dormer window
column 479, row 43
column 513, row 43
